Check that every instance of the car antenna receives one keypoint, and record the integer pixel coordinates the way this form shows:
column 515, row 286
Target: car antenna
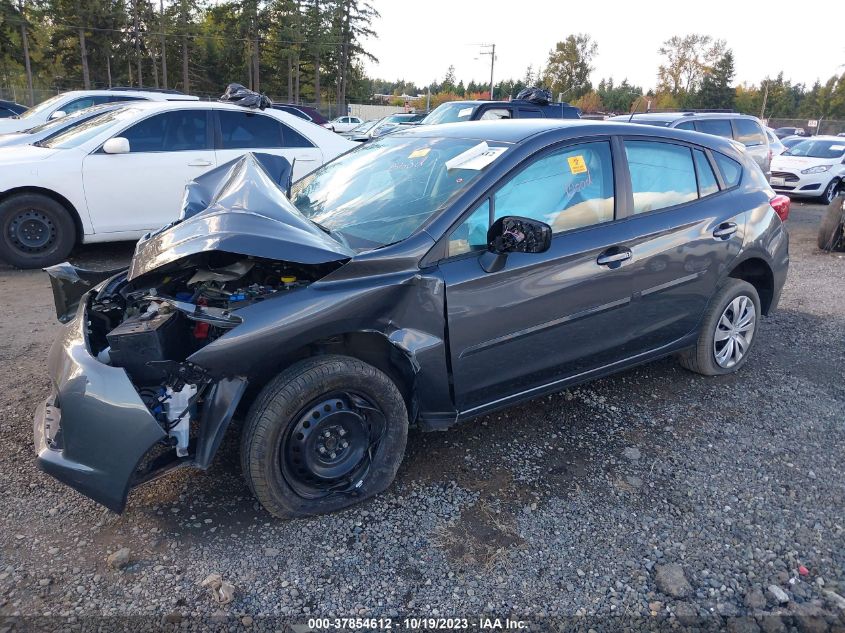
column 636, row 105
column 647, row 108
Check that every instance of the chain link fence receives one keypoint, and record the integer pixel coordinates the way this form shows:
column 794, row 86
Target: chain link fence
column 832, row 126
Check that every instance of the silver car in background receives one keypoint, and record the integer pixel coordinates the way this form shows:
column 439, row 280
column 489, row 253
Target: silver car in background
column 745, row 129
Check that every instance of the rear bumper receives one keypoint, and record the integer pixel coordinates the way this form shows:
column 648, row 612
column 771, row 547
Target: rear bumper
column 93, row 430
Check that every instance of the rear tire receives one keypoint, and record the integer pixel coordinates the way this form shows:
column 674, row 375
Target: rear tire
column 830, row 230
column 289, row 466
column 35, row 231
column 724, row 327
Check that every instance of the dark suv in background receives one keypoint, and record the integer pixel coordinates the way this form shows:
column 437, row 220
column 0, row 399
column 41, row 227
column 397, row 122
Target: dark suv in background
column 459, row 111
column 742, row 128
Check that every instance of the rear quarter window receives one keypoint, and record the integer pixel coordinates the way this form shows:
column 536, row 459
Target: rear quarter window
column 730, row 169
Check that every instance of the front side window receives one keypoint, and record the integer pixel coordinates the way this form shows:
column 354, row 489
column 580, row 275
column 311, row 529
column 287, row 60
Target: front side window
column 84, row 102
column 716, row 127
column 749, row 133
column 494, row 114
column 248, row 130
column 686, row 125
column 383, row 191
column 177, row 131
column 471, row 235
column 662, row 175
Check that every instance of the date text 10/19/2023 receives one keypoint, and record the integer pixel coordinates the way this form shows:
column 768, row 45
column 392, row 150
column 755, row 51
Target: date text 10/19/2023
column 416, row 624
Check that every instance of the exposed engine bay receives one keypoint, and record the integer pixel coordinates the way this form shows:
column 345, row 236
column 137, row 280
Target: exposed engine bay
column 149, row 326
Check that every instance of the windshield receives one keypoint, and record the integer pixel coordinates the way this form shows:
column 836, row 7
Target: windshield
column 55, row 124
column 817, row 149
column 41, row 107
column 449, row 113
column 383, row 191
column 86, row 130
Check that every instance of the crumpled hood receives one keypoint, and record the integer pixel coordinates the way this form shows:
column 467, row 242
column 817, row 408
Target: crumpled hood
column 247, row 214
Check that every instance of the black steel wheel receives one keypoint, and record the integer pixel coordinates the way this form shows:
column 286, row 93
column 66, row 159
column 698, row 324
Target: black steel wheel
column 37, row 231
column 326, row 433
column 330, row 445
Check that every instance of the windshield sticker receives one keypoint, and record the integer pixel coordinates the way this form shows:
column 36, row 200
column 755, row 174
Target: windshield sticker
column 420, row 153
column 465, row 112
column 577, row 164
column 837, row 148
column 476, row 158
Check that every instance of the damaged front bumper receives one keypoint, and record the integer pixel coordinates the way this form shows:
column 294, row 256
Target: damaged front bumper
column 93, row 431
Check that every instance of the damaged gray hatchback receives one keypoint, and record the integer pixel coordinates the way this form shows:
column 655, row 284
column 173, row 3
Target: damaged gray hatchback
column 425, row 278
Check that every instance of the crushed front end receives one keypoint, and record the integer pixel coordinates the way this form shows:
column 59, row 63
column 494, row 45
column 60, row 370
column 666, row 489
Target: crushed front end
column 127, row 404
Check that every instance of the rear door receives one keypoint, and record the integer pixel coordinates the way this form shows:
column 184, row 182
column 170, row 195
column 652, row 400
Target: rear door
column 543, row 316
column 142, row 190
column 684, row 233
column 239, row 132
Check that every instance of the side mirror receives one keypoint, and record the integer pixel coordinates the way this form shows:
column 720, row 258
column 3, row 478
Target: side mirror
column 58, row 114
column 514, row 234
column 116, row 145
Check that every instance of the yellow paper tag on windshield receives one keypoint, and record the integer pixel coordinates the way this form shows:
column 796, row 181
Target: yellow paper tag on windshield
column 577, row 164
column 420, row 153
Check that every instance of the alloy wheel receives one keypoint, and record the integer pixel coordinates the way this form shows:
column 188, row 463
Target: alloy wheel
column 734, row 331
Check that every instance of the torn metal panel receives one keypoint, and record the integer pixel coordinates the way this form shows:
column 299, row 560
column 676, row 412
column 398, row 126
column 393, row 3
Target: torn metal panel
column 69, row 283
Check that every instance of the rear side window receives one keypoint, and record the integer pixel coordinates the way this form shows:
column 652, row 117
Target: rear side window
column 177, row 131
column 716, row 127
column 247, row 130
column 707, row 184
column 662, row 175
column 530, row 113
column 749, row 133
column 292, row 138
column 731, row 170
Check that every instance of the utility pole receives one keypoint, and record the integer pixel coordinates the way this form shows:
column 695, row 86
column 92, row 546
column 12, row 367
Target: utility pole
column 138, row 44
column 25, row 41
column 163, row 49
column 492, row 53
column 765, row 98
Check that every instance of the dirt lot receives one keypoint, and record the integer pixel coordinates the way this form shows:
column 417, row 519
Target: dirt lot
column 657, row 495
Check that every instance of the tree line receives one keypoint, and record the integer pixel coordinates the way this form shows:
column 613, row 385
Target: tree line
column 696, row 72
column 299, row 50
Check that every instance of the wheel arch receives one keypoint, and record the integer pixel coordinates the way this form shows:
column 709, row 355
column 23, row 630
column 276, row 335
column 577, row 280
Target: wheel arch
column 759, row 274
column 370, row 346
column 74, row 214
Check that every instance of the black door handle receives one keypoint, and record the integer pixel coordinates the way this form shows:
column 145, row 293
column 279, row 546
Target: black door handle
column 613, row 257
column 725, row 230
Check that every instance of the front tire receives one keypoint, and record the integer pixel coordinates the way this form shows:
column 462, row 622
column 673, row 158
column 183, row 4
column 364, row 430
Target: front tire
column 37, row 231
column 831, row 228
column 728, row 331
column 830, row 192
column 325, row 434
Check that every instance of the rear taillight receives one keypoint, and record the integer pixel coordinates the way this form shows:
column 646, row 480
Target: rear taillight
column 780, row 204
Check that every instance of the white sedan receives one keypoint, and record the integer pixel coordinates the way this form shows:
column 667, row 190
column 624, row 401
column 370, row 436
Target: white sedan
column 344, row 123
column 69, row 102
column 812, row 168
column 123, row 173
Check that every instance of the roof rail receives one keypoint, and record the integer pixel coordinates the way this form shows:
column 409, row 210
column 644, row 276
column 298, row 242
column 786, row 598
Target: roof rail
column 690, row 111
column 166, row 91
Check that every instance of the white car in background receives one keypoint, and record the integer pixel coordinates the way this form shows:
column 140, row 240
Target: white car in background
column 345, row 123
column 812, row 168
column 121, row 174
column 67, row 102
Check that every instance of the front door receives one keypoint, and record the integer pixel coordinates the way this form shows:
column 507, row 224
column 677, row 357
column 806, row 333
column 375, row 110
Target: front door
column 543, row 316
column 248, row 131
column 142, row 190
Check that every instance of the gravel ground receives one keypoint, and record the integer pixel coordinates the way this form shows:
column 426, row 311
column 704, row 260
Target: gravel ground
column 656, row 495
